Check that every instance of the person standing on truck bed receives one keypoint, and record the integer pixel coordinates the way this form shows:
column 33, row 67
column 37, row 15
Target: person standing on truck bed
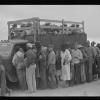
column 18, row 62
column 30, row 69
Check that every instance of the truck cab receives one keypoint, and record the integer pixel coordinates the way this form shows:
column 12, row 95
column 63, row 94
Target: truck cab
column 7, row 51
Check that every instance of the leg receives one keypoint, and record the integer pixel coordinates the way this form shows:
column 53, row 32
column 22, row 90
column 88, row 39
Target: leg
column 87, row 70
column 72, row 72
column 78, row 76
column 33, row 79
column 22, row 79
column 75, row 73
column 3, row 80
column 52, row 75
column 29, row 79
column 90, row 71
column 98, row 63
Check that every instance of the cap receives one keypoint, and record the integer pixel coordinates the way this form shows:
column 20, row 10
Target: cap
column 79, row 46
column 29, row 45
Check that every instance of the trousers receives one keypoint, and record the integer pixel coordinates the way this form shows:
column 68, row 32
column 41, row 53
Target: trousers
column 2, row 80
column 52, row 76
column 22, row 78
column 30, row 77
column 77, row 74
column 89, row 74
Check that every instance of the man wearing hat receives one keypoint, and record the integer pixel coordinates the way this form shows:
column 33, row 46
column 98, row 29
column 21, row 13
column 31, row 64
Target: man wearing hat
column 76, row 59
column 83, row 75
column 95, row 53
column 89, row 62
column 30, row 69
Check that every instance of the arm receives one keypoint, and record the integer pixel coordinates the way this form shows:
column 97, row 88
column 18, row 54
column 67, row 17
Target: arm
column 80, row 55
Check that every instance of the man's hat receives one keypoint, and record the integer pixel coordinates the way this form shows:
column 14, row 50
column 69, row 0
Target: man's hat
column 79, row 46
column 29, row 45
column 93, row 42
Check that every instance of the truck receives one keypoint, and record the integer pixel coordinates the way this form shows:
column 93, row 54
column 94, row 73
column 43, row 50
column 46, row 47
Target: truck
column 7, row 51
column 33, row 30
column 56, row 32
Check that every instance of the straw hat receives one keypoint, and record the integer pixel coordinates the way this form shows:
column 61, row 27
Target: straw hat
column 29, row 45
column 79, row 46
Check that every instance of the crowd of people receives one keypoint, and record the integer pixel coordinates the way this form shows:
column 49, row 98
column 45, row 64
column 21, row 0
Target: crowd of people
column 42, row 67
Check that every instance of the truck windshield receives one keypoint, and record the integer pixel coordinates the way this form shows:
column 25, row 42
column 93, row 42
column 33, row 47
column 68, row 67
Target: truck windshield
column 5, row 49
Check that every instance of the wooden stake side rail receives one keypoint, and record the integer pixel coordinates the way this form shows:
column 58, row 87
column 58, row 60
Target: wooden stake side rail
column 20, row 21
column 47, row 27
column 43, row 20
column 36, row 24
column 60, row 21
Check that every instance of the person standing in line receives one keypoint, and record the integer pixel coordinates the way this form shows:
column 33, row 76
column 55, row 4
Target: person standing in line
column 58, row 68
column 47, row 70
column 30, row 69
column 83, row 75
column 76, row 59
column 71, row 70
column 18, row 62
column 65, row 63
column 95, row 52
column 38, row 48
column 43, row 68
column 89, row 62
column 98, row 60
column 51, row 67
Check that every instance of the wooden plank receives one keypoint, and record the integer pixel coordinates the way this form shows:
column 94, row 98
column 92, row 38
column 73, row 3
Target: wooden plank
column 51, row 27
column 20, row 21
column 24, row 28
column 45, row 20
column 57, row 27
column 60, row 21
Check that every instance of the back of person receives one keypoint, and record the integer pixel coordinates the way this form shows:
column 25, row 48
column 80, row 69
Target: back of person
column 58, row 62
column 51, row 58
column 31, row 56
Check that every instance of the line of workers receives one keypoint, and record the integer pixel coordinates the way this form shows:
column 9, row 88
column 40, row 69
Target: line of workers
column 41, row 67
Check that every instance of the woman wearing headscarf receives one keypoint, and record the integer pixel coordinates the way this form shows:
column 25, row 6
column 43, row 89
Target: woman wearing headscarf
column 58, row 67
column 43, row 67
column 18, row 62
column 65, row 63
column 82, row 63
column 51, row 67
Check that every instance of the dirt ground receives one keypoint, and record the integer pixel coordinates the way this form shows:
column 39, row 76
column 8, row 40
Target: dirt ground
column 87, row 89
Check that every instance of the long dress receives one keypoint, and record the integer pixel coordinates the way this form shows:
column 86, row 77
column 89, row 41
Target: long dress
column 66, row 57
column 18, row 60
column 43, row 72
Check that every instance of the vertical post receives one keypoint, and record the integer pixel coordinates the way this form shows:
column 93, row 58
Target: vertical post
column 34, row 30
column 62, row 26
column 37, row 29
column 83, row 25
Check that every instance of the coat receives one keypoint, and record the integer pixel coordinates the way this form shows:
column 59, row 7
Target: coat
column 65, row 63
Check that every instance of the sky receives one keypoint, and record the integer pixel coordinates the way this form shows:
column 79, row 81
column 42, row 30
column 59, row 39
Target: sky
column 90, row 14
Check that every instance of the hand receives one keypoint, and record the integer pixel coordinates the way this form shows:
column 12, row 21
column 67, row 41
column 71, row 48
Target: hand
column 40, row 57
